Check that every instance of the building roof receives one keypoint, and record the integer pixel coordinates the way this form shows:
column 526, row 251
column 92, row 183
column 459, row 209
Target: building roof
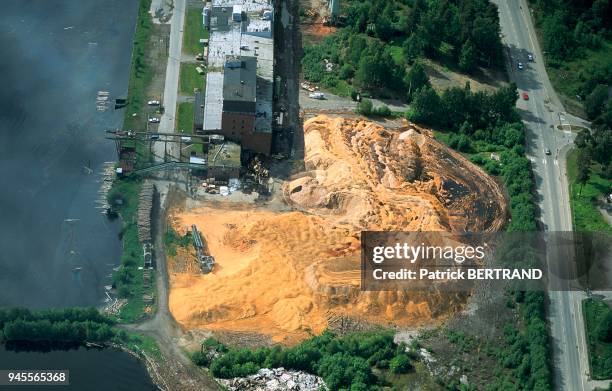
column 214, row 101
column 198, row 112
column 226, row 154
column 239, row 79
column 251, row 37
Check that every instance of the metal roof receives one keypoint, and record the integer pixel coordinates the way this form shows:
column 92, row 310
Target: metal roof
column 214, row 101
column 251, row 37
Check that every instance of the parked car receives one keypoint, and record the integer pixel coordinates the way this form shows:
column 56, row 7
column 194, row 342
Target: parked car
column 154, row 120
column 525, row 96
column 317, row 95
column 547, row 151
column 154, row 137
column 530, row 57
column 520, row 65
column 153, row 103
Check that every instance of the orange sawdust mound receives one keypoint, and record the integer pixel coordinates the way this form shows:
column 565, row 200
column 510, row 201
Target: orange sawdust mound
column 287, row 274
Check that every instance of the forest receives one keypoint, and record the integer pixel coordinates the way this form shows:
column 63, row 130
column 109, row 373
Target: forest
column 71, row 325
column 577, row 38
column 377, row 39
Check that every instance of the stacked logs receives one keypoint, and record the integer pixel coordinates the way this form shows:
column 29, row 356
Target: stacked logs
column 145, row 205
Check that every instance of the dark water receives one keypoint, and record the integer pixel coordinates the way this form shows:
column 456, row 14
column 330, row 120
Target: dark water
column 89, row 369
column 56, row 56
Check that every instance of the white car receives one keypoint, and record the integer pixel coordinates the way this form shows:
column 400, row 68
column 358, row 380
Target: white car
column 153, row 103
column 154, row 120
column 520, row 66
column 317, row 95
column 530, row 57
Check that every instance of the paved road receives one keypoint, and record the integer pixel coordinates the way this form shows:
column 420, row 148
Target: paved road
column 540, row 114
column 337, row 103
column 167, row 121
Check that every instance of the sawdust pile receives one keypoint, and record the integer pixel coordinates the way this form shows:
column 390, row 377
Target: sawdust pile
column 288, row 274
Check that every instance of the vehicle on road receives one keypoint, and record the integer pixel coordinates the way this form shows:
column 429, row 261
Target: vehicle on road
column 547, row 151
column 153, row 103
column 530, row 57
column 154, row 120
column 525, row 95
column 520, row 65
column 317, row 95
column 154, row 137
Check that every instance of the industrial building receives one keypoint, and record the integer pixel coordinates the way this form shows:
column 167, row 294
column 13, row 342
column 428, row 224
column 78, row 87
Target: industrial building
column 224, row 161
column 198, row 112
column 239, row 82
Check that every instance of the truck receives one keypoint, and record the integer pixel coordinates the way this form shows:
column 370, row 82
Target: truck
column 317, row 95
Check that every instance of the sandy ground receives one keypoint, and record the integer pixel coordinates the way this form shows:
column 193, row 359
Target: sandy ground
column 287, row 274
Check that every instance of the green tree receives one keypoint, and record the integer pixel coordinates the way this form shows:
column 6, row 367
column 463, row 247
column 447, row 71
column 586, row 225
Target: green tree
column 415, row 79
column 594, row 103
column 384, row 23
column 557, row 39
column 604, row 328
column 400, row 364
column 583, row 162
column 426, row 106
column 468, row 56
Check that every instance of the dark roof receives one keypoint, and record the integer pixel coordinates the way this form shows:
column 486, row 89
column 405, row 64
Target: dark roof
column 198, row 112
column 219, row 18
column 239, row 79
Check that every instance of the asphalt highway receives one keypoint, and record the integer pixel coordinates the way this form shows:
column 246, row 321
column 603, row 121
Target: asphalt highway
column 541, row 113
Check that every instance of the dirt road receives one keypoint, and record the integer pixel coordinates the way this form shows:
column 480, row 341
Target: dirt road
column 177, row 369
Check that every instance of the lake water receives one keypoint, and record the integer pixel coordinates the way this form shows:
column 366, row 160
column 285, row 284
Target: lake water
column 56, row 56
column 90, row 369
column 56, row 248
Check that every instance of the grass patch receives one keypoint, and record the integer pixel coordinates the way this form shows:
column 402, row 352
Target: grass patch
column 190, row 79
column 185, row 117
column 194, row 31
column 140, row 342
column 598, row 324
column 397, row 53
column 585, row 215
column 140, row 71
column 172, row 239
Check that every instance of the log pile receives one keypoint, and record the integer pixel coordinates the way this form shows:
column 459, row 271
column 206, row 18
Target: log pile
column 145, row 205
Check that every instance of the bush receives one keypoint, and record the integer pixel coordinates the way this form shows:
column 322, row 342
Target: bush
column 365, row 107
column 400, row 364
column 382, row 111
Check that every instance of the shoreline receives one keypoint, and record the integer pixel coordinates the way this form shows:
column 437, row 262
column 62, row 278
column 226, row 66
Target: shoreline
column 151, row 364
